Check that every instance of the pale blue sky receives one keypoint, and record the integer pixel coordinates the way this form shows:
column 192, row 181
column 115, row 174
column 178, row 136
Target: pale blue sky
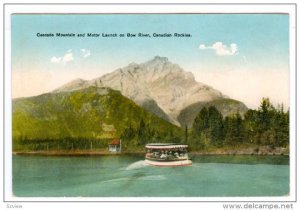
column 262, row 42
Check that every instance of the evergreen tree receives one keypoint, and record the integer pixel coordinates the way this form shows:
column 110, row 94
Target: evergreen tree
column 280, row 128
column 215, row 124
column 250, row 125
column 128, row 136
column 141, row 132
column 234, row 129
column 208, row 127
column 186, row 134
column 267, row 122
column 201, row 121
column 265, row 114
column 200, row 127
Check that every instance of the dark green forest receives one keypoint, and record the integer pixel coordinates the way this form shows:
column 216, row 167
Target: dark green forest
column 265, row 126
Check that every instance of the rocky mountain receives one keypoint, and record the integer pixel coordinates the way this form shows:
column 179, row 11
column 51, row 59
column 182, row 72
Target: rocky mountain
column 159, row 86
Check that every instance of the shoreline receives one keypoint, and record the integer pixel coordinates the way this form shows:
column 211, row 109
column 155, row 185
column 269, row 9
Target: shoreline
column 260, row 151
column 253, row 150
column 75, row 153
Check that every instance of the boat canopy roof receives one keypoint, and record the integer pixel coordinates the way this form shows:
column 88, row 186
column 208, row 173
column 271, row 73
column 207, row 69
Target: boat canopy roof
column 165, row 146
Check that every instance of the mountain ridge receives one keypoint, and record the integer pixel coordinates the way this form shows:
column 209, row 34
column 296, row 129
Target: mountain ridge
column 157, row 85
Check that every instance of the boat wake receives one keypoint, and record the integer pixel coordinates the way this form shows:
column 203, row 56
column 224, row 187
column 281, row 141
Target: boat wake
column 130, row 179
column 154, row 178
column 116, row 180
column 136, row 165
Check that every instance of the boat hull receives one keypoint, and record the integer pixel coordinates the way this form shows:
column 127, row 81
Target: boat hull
column 169, row 163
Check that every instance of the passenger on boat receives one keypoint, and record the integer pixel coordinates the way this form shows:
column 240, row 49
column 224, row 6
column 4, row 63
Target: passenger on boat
column 163, row 156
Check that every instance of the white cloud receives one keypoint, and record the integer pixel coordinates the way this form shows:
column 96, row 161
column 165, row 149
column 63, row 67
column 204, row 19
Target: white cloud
column 68, row 57
column 85, row 53
column 221, row 49
column 64, row 59
column 55, row 59
column 202, row 47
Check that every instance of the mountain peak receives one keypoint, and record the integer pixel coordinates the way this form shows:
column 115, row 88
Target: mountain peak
column 157, row 61
column 160, row 59
column 133, row 64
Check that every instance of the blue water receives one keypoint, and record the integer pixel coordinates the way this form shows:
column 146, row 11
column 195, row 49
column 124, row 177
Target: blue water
column 129, row 176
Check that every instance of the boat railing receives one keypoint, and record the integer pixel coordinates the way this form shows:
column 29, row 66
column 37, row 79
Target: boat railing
column 163, row 156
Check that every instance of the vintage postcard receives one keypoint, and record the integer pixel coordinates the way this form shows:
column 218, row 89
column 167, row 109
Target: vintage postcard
column 182, row 104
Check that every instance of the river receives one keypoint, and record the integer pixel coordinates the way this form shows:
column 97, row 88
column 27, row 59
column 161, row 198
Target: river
column 129, row 176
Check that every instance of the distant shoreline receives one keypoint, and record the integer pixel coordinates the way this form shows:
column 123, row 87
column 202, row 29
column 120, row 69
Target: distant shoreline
column 260, row 150
column 75, row 153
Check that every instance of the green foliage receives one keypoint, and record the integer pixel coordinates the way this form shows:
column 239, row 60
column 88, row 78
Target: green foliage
column 215, row 122
column 186, row 134
column 201, row 121
column 265, row 126
column 208, row 127
column 234, row 130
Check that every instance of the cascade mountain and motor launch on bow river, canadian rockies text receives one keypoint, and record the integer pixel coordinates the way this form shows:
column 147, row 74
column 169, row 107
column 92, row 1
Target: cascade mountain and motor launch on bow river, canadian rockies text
column 108, row 35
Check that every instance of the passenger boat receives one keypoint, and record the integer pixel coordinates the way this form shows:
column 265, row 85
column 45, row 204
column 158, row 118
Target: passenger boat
column 167, row 154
